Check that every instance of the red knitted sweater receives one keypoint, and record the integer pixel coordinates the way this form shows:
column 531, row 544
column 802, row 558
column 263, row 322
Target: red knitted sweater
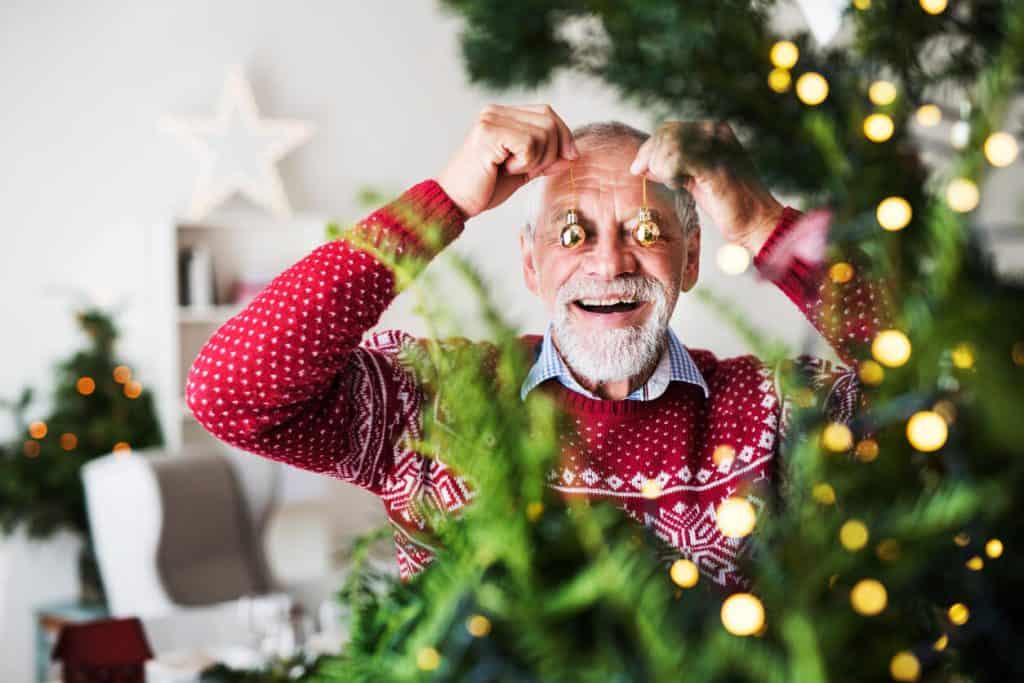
column 290, row 378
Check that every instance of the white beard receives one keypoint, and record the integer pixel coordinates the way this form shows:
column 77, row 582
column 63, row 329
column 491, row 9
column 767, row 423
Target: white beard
column 617, row 353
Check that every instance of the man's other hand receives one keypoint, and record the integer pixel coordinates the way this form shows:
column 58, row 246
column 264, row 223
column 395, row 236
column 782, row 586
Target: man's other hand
column 705, row 158
column 506, row 148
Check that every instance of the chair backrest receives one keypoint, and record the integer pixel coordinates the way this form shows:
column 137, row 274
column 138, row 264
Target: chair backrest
column 181, row 529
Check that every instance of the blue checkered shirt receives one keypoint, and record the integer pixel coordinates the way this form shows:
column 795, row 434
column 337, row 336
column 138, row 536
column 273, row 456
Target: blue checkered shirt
column 676, row 365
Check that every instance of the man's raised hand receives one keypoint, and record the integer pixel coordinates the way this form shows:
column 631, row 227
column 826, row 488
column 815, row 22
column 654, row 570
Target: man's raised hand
column 506, row 148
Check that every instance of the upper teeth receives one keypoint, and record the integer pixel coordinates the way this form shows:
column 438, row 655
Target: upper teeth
column 605, row 302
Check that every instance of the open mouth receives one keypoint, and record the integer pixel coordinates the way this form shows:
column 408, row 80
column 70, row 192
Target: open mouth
column 608, row 305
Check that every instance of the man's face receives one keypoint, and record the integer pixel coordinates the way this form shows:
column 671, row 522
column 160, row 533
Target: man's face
column 610, row 298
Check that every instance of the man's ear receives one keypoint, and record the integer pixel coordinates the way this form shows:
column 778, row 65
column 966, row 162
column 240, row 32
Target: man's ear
column 691, row 268
column 526, row 253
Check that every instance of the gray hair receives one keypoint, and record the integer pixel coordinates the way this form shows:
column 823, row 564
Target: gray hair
column 608, row 132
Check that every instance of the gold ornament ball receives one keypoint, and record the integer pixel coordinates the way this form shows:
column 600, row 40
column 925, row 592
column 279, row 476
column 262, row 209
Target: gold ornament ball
column 934, row 6
column 647, row 232
column 572, row 236
column 962, row 195
column 868, row 597
column 894, row 213
column 784, row 54
column 927, row 431
column 1001, row 149
column 779, row 80
column 742, row 614
column 928, row 115
column 812, row 88
column 735, row 517
column 891, row 348
column 958, row 613
column 994, row 548
column 684, row 573
column 879, row 127
column 904, row 666
column 882, row 93
column 853, row 535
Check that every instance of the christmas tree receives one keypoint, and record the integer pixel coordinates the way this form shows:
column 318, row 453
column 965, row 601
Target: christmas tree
column 892, row 553
column 98, row 407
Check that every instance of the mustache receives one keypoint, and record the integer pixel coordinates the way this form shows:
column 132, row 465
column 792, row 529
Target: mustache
column 637, row 287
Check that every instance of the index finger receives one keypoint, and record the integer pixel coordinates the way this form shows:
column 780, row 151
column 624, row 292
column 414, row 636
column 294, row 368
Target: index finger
column 566, row 144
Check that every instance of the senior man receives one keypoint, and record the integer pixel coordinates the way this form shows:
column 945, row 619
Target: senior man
column 665, row 431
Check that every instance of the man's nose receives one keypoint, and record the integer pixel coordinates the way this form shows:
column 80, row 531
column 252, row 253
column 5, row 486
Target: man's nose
column 609, row 257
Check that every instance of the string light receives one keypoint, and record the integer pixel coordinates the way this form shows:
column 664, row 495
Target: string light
column 824, row 493
column 994, row 548
column 867, row 450
column 478, row 625
column 133, row 389
column 933, row 6
column 940, row 644
column 891, row 348
column 962, row 195
column 1001, row 149
column 961, row 539
column 733, row 259
column 85, row 385
column 853, row 535
column 784, row 54
column 904, row 666
column 779, row 80
column 684, row 573
column 428, row 659
column 742, row 614
column 975, row 563
column 927, row 431
column 882, row 93
column 841, row 272
column 958, row 613
column 812, row 88
column 928, row 115
column 837, row 437
column 894, row 213
column 122, row 373
column 963, row 356
column 879, row 127
column 68, row 441
column 868, row 597
column 871, row 373
column 651, row 489
column 37, row 430
column 735, row 517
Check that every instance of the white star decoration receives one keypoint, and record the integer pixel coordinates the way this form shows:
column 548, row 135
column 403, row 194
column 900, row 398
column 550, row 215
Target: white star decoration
column 238, row 150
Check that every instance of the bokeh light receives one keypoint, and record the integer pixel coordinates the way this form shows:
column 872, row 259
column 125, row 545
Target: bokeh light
column 894, row 213
column 812, row 88
column 1001, row 149
column 684, row 573
column 732, row 258
column 735, row 517
column 742, row 614
column 868, row 597
column 904, row 666
column 962, row 195
column 837, row 437
column 853, row 534
column 882, row 93
column 85, row 385
column 927, row 431
column 891, row 348
column 784, row 54
column 928, row 115
column 879, row 127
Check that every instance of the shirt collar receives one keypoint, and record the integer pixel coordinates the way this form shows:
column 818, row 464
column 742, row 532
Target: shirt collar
column 675, row 365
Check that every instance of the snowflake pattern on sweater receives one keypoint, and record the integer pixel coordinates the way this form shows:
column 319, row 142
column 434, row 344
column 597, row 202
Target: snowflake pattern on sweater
column 290, row 378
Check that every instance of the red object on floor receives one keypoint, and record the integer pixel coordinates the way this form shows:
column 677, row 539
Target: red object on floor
column 108, row 650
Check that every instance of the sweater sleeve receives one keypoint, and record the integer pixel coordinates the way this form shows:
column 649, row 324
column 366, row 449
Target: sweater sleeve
column 286, row 378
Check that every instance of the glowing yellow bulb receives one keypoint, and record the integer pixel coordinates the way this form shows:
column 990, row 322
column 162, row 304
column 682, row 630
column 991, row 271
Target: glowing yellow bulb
column 841, row 273
column 904, row 666
column 37, row 430
column 962, row 195
column 132, row 389
column 868, row 597
column 68, row 441
column 891, row 348
column 853, row 534
column 940, row 644
column 742, row 614
column 837, row 437
column 994, row 548
column 784, row 54
column 684, row 573
column 927, row 431
column 963, row 356
column 735, row 517
column 882, row 93
column 879, row 127
column 812, row 88
column 894, row 213
column 862, row 4
column 928, row 115
column 122, row 373
column 871, row 373
column 733, row 259
column 779, row 80
column 428, row 659
column 824, row 493
column 478, row 625
column 534, row 510
column 651, row 489
column 961, row 539
column 975, row 563
column 959, row 614
column 934, row 6
column 85, row 385
column 867, row 450
column 1001, row 149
